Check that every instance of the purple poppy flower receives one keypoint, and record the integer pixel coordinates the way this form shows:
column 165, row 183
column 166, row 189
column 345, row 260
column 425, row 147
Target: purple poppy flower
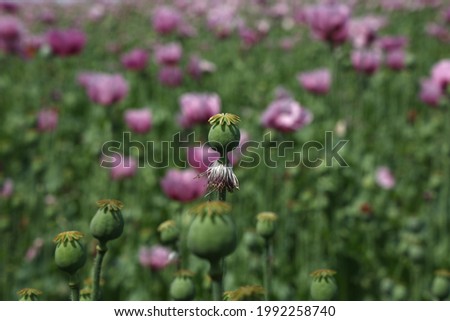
column 430, row 92
column 139, row 120
column 156, row 257
column 183, row 185
column 384, row 177
column 122, row 167
column 166, row 20
column 396, row 59
column 286, row 115
column 104, row 89
column 329, row 22
column 366, row 61
column 47, row 120
column 200, row 157
column 168, row 54
column 7, row 188
column 440, row 73
column 197, row 108
column 66, row 42
column 170, row 76
column 197, row 67
column 136, row 59
column 316, row 81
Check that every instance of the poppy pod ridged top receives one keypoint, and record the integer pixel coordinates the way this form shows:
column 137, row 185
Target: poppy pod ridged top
column 323, row 286
column 107, row 223
column 224, row 135
column 70, row 253
column 212, row 233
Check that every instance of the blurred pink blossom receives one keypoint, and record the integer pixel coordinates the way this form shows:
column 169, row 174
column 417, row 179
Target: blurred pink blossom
column 47, row 16
column 430, row 92
column 139, row 120
column 104, row 89
column 156, row 257
column 168, row 54
column 396, row 59
column 384, row 177
column 170, row 76
column 96, row 12
column 135, row 59
column 11, row 33
column 9, row 6
column 366, row 61
column 183, row 185
column 446, row 15
column 47, row 120
column 197, row 108
column 166, row 20
column 200, row 157
column 66, row 42
column 286, row 115
column 392, row 43
column 197, row 67
column 34, row 250
column 7, row 188
column 363, row 30
column 317, row 81
column 11, row 28
column 329, row 22
column 249, row 37
column 437, row 31
column 221, row 20
column 121, row 166
column 31, row 44
column 440, row 73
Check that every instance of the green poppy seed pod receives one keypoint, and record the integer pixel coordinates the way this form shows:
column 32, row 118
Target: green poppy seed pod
column 323, row 285
column 168, row 232
column 266, row 224
column 182, row 287
column 440, row 287
column 224, row 135
column 28, row 294
column 212, row 234
column 107, row 223
column 70, row 254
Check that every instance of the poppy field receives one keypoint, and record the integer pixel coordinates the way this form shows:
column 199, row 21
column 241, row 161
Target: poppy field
column 225, row 150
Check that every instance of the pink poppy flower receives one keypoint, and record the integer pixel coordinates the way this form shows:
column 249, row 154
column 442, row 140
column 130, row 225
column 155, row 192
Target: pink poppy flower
column 286, row 115
column 316, row 81
column 197, row 108
column 135, row 60
column 156, row 257
column 66, row 42
column 47, row 120
column 384, row 177
column 183, row 185
column 166, row 20
column 139, row 120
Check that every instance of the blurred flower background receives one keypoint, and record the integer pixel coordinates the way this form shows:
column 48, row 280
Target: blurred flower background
column 75, row 75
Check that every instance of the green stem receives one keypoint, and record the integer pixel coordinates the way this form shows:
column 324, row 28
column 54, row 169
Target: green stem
column 267, row 269
column 74, row 286
column 216, row 274
column 101, row 251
